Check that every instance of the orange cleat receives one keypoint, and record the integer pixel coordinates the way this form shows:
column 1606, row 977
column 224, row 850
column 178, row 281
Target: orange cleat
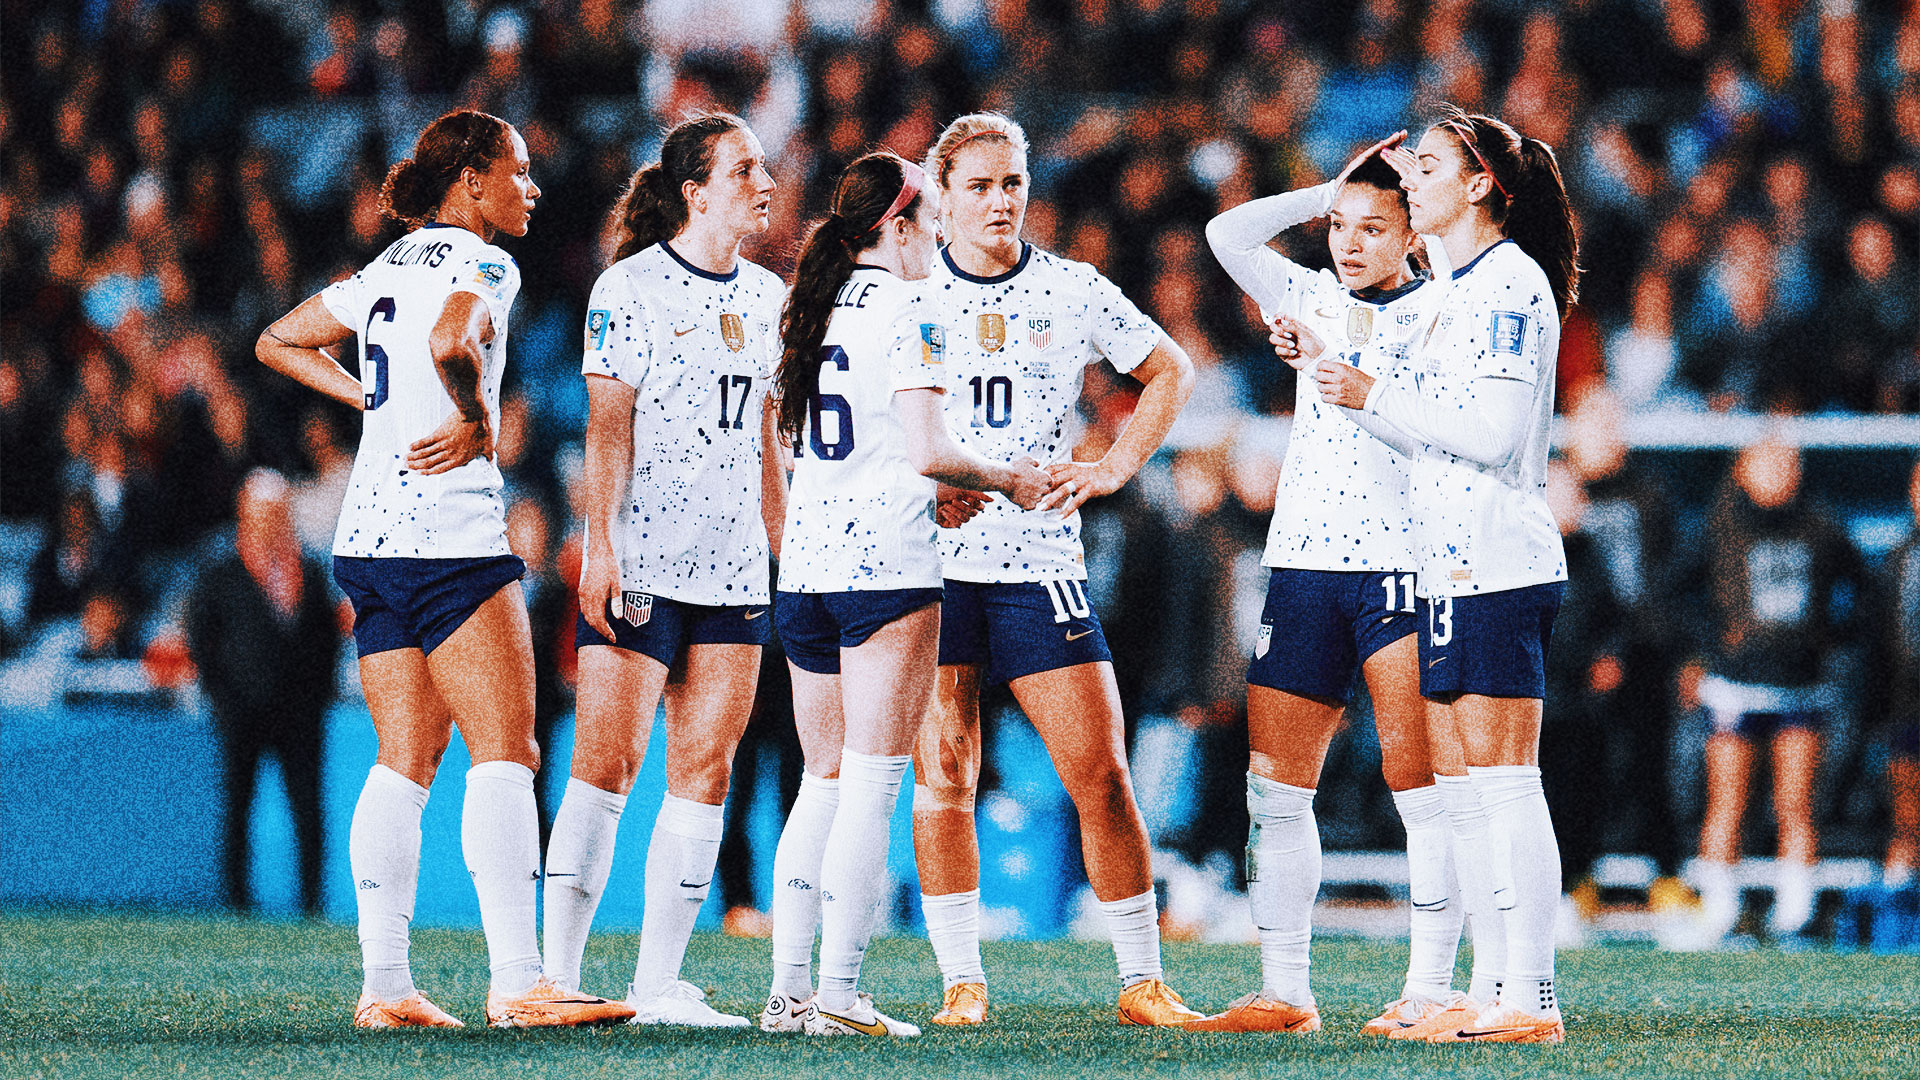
column 414, row 1010
column 547, row 1005
column 1404, row 1013
column 1499, row 1023
column 963, row 1004
column 1152, row 1003
column 1456, row 1012
column 1254, row 1012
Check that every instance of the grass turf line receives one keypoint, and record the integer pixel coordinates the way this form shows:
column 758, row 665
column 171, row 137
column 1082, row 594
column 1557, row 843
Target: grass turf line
column 146, row 995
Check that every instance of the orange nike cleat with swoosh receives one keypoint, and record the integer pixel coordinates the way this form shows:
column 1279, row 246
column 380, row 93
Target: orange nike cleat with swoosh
column 1402, row 1014
column 547, row 1005
column 414, row 1010
column 1456, row 1012
column 1255, row 1012
column 1499, row 1023
column 962, row 1004
column 1152, row 1003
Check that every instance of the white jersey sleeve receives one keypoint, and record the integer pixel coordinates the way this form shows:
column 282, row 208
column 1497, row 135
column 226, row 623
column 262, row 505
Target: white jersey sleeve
column 697, row 348
column 916, row 348
column 1121, row 333
column 1239, row 238
column 391, row 511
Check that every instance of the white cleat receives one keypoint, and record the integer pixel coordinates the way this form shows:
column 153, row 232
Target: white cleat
column 784, row 1015
column 862, row 1019
column 681, row 1004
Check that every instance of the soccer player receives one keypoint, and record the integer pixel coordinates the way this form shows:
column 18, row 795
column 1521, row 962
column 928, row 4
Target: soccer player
column 859, row 608
column 421, row 551
column 1341, row 596
column 1474, row 410
column 1023, row 325
column 674, row 591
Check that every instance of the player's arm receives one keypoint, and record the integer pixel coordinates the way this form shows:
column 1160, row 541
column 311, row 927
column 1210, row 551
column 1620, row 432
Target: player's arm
column 934, row 453
column 773, row 474
column 1483, row 420
column 1167, row 379
column 604, row 477
column 296, row 346
column 458, row 343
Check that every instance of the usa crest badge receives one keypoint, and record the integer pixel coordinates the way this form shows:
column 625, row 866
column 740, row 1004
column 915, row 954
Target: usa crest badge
column 1359, row 324
column 991, row 331
column 636, row 608
column 733, row 331
column 1261, row 646
column 1039, row 333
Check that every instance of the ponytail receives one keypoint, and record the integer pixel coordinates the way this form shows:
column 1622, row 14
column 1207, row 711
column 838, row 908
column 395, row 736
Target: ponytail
column 864, row 199
column 654, row 206
column 1528, row 201
column 460, row 140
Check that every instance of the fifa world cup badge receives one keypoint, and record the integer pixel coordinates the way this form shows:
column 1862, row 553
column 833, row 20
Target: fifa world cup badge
column 733, row 331
column 991, row 331
column 1359, row 324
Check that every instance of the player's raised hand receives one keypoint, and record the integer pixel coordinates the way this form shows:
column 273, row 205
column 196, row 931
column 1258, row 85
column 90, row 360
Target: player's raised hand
column 1295, row 342
column 1341, row 384
column 1031, row 484
column 454, row 443
column 1403, row 162
column 1077, row 481
column 955, row 506
column 1382, row 147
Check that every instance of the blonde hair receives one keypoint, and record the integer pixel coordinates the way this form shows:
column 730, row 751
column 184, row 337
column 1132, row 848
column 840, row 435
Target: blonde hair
column 964, row 130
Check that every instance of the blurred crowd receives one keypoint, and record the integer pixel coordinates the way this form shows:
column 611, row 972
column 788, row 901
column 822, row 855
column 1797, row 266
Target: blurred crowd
column 1746, row 178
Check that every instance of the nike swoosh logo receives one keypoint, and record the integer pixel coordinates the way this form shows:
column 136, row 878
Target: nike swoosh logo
column 555, row 873
column 691, row 885
column 1490, row 1032
column 1435, row 660
column 1071, row 636
column 875, row 1028
column 688, row 330
column 756, row 614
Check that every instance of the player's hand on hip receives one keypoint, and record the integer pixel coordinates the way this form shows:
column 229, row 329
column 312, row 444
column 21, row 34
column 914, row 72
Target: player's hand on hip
column 1031, row 484
column 1295, row 342
column 454, row 443
column 1077, row 481
column 1341, row 384
column 600, row 589
column 955, row 506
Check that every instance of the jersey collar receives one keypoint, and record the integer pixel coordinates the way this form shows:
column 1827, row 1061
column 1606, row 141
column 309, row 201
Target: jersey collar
column 1383, row 298
column 696, row 271
column 1475, row 261
column 1026, row 253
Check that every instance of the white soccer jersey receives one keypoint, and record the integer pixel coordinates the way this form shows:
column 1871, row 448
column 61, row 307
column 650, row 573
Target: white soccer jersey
column 698, row 348
column 1479, row 394
column 1342, row 502
column 859, row 516
column 392, row 511
column 1018, row 345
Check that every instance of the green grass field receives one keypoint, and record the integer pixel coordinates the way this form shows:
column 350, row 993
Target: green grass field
column 142, row 995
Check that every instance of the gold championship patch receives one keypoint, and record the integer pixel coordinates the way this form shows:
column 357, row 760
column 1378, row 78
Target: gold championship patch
column 991, row 331
column 1359, row 324
column 733, row 331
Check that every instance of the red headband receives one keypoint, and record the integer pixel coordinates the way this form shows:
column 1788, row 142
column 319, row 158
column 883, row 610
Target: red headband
column 912, row 179
column 1466, row 139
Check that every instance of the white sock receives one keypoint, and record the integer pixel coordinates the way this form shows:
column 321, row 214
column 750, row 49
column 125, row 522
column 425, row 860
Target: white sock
column 1134, row 924
column 383, row 848
column 853, row 873
column 579, row 858
column 1719, row 897
column 795, row 906
column 1436, row 917
column 500, row 836
column 686, row 841
column 1517, row 812
column 1473, row 859
column 1283, row 878
column 953, row 926
column 1792, row 897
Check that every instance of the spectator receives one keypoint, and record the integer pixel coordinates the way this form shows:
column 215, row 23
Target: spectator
column 1896, row 695
column 261, row 626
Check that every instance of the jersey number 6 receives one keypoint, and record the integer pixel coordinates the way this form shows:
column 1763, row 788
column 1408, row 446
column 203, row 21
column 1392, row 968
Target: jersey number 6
column 374, row 380
column 842, row 410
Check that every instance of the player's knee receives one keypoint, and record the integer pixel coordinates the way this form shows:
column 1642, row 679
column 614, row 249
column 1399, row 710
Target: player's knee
column 933, row 799
column 1102, row 789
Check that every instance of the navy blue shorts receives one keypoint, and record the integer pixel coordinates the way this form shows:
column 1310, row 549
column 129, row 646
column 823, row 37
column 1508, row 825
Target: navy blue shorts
column 1488, row 643
column 418, row 603
column 662, row 627
column 814, row 627
column 1014, row 629
column 1330, row 622
column 1906, row 740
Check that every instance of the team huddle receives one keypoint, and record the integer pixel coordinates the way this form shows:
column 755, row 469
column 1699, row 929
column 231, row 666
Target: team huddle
column 894, row 431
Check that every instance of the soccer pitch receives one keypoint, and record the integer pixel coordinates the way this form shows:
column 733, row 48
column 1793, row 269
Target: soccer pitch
column 145, row 995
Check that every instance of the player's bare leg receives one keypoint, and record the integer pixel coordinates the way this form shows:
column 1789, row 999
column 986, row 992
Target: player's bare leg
column 1729, row 768
column 1903, row 844
column 1796, row 757
column 1076, row 710
column 946, row 847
